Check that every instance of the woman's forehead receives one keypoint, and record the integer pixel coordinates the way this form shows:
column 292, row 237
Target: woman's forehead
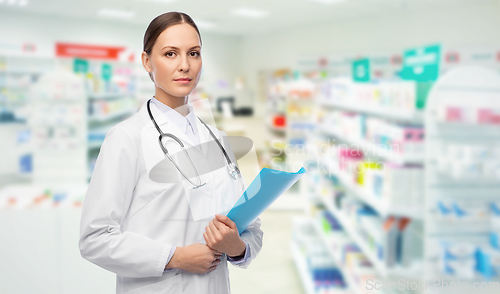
column 180, row 36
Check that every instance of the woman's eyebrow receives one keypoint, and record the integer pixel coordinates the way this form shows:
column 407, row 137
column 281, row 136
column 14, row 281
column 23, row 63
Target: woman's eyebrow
column 178, row 48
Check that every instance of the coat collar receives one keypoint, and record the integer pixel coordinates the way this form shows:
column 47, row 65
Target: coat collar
column 168, row 126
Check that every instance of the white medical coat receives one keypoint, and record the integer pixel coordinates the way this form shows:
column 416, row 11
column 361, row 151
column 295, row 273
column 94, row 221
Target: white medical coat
column 129, row 222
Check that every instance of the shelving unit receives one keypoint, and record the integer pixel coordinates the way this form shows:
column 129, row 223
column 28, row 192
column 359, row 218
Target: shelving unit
column 300, row 263
column 99, row 124
column 373, row 149
column 17, row 74
column 383, row 209
column 351, row 188
column 465, row 93
column 299, row 247
column 327, row 240
column 284, row 122
column 111, row 116
column 58, row 127
column 461, row 117
column 416, row 117
column 415, row 272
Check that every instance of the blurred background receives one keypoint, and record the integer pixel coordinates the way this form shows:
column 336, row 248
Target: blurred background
column 392, row 106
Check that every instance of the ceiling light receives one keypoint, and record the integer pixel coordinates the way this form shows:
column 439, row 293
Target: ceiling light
column 328, row 1
column 15, row 2
column 250, row 12
column 116, row 13
column 160, row 1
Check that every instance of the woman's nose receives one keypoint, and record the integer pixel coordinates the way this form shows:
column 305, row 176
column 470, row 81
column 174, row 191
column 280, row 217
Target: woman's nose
column 184, row 64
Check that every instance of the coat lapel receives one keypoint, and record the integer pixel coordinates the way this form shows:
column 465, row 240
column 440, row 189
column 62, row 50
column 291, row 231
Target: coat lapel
column 166, row 125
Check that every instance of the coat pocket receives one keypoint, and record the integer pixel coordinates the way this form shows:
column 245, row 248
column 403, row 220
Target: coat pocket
column 165, row 286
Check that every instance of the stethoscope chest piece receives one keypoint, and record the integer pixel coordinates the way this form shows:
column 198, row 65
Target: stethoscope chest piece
column 234, row 171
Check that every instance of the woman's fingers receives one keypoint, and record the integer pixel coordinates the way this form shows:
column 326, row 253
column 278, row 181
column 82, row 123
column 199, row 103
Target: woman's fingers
column 216, row 254
column 216, row 261
column 227, row 221
column 219, row 225
column 210, row 235
column 215, row 231
column 214, row 265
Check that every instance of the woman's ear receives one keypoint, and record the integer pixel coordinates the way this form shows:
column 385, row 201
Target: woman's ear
column 146, row 64
column 145, row 61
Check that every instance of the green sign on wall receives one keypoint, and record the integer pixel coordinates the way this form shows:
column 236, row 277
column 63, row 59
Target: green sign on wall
column 106, row 71
column 421, row 64
column 80, row 66
column 361, row 70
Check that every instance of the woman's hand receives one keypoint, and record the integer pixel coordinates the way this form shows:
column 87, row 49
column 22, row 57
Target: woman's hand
column 222, row 235
column 196, row 258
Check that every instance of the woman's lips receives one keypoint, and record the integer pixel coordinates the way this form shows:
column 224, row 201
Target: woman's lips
column 183, row 81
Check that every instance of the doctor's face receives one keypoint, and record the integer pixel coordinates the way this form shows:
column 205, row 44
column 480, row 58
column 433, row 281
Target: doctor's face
column 175, row 60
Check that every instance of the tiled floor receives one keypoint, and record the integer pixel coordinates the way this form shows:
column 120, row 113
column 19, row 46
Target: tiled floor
column 273, row 271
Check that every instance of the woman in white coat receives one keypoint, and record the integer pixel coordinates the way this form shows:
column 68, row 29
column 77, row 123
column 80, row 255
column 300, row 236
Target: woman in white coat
column 165, row 237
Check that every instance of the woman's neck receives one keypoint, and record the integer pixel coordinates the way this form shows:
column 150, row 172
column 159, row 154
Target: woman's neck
column 176, row 103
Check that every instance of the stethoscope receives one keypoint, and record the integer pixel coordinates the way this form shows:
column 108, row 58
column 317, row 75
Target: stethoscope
column 232, row 169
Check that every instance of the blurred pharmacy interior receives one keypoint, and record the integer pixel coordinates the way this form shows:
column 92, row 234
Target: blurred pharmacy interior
column 392, row 106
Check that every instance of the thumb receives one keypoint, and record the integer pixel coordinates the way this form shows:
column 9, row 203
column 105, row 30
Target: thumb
column 227, row 221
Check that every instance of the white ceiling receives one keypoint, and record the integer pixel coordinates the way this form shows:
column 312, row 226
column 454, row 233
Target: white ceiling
column 283, row 14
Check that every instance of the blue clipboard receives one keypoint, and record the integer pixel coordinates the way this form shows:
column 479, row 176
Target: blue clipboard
column 267, row 186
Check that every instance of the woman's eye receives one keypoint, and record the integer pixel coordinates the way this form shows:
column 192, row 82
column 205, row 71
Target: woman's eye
column 169, row 54
column 195, row 53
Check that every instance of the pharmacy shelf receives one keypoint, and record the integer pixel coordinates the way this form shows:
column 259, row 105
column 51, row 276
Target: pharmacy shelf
column 347, row 276
column 94, row 144
column 276, row 129
column 111, row 116
column 416, row 117
column 477, row 277
column 110, row 96
column 383, row 209
column 415, row 272
column 368, row 147
column 301, row 264
column 9, row 179
column 22, row 72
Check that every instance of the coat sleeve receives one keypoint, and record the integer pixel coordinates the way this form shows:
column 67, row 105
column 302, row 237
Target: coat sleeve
column 253, row 235
column 106, row 203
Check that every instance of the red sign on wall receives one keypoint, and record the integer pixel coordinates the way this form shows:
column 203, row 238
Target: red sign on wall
column 87, row 51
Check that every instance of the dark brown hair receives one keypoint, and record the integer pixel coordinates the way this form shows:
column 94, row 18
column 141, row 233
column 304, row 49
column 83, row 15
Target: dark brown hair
column 161, row 23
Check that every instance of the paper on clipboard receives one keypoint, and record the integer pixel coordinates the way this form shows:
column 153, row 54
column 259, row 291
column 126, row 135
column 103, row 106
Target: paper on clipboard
column 267, row 186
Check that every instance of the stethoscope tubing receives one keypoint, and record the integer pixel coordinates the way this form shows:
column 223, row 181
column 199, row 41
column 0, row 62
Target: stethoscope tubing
column 165, row 151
